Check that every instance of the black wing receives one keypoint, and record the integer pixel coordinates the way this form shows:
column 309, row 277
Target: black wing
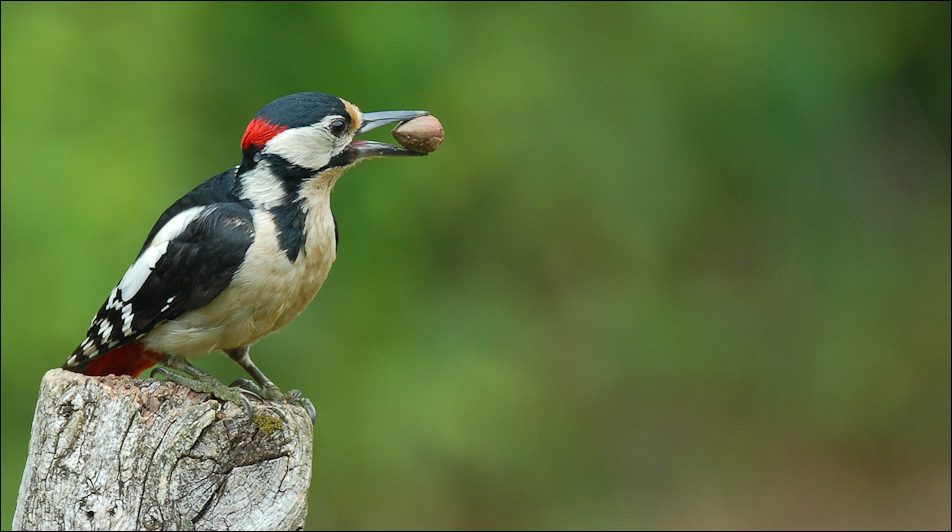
column 223, row 188
column 190, row 258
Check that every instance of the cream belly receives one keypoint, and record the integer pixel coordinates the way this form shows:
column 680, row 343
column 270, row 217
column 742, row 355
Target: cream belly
column 267, row 293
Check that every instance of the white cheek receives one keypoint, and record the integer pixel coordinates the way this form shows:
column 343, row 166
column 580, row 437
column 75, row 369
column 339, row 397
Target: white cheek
column 309, row 147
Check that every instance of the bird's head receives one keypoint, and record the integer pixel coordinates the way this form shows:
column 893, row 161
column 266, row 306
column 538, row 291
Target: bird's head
column 311, row 134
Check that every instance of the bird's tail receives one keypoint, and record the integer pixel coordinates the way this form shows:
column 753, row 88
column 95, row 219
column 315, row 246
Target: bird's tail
column 130, row 359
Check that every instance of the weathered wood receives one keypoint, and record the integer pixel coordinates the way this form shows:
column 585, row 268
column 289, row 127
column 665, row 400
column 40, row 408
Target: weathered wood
column 117, row 453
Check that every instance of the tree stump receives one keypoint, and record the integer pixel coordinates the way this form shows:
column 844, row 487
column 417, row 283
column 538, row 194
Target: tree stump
column 118, row 453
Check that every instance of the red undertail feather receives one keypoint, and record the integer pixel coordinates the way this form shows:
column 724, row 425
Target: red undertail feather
column 131, row 359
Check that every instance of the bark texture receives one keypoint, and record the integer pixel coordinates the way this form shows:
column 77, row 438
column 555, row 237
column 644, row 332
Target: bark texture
column 117, row 453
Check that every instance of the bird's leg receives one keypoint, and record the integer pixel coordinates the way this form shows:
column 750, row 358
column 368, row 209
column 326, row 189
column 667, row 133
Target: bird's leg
column 265, row 387
column 200, row 381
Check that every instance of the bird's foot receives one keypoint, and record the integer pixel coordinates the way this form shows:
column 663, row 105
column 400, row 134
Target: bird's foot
column 272, row 393
column 210, row 385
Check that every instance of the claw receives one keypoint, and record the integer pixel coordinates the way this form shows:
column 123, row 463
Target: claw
column 252, row 393
column 160, row 371
column 308, row 407
column 248, row 408
column 293, row 396
column 243, row 383
column 248, row 387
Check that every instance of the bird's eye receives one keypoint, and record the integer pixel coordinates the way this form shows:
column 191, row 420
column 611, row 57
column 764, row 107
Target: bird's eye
column 338, row 127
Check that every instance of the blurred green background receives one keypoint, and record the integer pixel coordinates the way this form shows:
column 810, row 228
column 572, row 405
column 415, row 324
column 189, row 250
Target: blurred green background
column 676, row 265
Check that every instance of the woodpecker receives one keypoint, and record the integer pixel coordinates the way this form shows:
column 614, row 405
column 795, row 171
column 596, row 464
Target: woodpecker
column 242, row 254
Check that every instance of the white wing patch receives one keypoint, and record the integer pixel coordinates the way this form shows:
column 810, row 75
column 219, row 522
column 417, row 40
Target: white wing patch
column 114, row 322
column 140, row 270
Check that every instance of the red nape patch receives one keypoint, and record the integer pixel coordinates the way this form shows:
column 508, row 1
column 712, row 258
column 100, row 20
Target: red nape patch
column 259, row 132
column 130, row 359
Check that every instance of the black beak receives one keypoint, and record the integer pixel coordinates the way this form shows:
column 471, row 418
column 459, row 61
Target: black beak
column 368, row 149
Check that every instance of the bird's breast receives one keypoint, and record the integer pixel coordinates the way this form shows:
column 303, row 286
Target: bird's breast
column 268, row 291
column 277, row 288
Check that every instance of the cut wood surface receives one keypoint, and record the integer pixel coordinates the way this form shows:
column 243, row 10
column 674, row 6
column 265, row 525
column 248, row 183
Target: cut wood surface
column 118, row 453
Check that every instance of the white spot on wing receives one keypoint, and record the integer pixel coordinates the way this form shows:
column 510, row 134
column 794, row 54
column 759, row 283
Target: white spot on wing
column 114, row 301
column 105, row 329
column 140, row 270
column 127, row 319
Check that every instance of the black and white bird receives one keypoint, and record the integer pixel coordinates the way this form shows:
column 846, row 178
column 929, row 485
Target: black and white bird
column 241, row 255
